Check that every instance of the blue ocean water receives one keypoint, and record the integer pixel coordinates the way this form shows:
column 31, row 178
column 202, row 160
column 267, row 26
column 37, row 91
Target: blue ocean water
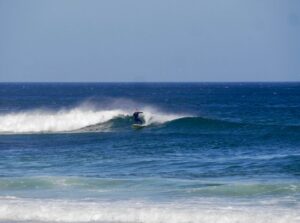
column 226, row 152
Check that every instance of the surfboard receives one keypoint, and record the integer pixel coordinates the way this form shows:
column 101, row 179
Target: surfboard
column 138, row 126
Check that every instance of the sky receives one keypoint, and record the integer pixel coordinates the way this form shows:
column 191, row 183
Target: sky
column 149, row 41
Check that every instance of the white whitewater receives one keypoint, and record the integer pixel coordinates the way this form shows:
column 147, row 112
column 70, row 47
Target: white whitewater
column 36, row 210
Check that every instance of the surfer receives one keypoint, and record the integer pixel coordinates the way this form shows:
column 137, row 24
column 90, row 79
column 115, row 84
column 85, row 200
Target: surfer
column 136, row 117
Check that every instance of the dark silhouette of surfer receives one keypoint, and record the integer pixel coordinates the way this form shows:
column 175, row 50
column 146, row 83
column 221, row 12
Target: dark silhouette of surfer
column 136, row 117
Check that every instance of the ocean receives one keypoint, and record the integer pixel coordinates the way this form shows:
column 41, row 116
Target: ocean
column 209, row 153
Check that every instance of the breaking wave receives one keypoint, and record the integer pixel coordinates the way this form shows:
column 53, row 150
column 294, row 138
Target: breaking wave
column 81, row 118
column 92, row 119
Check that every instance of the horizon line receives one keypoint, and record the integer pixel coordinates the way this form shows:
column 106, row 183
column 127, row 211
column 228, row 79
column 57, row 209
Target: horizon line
column 139, row 82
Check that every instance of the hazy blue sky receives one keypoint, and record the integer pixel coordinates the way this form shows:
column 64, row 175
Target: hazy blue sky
column 154, row 40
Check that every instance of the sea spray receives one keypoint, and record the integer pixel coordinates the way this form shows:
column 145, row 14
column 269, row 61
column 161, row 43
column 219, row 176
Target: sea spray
column 54, row 121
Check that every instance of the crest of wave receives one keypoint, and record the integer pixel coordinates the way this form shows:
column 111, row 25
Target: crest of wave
column 55, row 121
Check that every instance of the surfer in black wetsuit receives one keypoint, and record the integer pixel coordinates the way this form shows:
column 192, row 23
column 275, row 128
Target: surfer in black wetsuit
column 136, row 117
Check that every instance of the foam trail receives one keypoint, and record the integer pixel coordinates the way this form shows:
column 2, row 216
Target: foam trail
column 16, row 209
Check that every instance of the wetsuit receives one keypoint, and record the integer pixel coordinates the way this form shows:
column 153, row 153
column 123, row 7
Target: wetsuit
column 137, row 118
